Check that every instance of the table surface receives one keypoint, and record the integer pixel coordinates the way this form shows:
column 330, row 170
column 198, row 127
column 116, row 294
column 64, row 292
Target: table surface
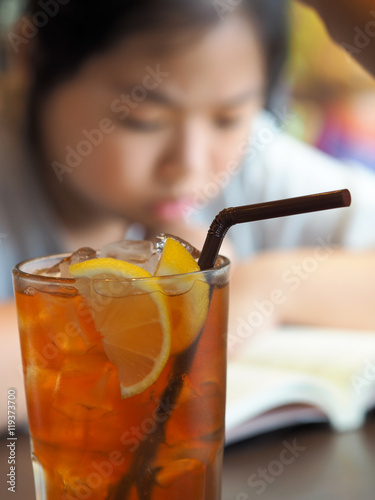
column 308, row 462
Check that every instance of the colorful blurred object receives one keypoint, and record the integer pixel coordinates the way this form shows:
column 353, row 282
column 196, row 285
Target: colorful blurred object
column 332, row 96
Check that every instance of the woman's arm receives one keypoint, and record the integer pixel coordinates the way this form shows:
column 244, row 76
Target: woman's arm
column 310, row 286
column 11, row 365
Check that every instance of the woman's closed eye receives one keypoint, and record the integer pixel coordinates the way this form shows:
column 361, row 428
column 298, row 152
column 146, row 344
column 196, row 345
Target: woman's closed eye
column 228, row 122
column 144, row 125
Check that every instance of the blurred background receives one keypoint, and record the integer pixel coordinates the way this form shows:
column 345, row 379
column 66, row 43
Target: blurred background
column 330, row 95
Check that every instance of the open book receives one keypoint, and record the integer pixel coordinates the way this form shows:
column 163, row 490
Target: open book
column 300, row 375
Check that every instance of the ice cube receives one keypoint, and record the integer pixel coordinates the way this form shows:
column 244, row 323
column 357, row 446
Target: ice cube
column 151, row 264
column 61, row 269
column 97, row 381
column 161, row 239
column 64, row 270
column 136, row 252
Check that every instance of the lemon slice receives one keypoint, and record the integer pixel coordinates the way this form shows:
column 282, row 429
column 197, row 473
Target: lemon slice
column 132, row 318
column 188, row 306
column 106, row 265
column 175, row 259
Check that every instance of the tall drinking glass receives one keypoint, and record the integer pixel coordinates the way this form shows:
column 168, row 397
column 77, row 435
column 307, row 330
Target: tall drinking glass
column 88, row 440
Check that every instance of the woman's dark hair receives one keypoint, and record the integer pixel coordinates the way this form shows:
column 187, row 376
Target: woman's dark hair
column 73, row 30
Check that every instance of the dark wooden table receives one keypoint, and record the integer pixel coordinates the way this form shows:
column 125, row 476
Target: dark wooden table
column 301, row 463
column 326, row 465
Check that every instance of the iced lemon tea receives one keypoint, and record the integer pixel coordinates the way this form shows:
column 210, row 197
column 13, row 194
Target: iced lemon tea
column 125, row 381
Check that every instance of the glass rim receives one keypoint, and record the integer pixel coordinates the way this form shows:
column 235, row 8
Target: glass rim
column 19, row 273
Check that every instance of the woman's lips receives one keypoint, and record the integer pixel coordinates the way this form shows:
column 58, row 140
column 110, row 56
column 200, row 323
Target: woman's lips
column 170, row 210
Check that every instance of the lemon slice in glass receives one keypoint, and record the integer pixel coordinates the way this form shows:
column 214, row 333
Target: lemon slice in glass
column 189, row 305
column 131, row 316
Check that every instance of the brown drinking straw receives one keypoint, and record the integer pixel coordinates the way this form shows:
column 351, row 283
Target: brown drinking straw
column 261, row 211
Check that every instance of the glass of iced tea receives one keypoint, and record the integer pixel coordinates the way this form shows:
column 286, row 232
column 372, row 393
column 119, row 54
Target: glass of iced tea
column 125, row 377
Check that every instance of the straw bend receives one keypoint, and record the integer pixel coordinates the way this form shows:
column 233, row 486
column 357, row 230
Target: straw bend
column 261, row 211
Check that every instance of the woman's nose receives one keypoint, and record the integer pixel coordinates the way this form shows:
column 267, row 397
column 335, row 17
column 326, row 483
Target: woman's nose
column 188, row 152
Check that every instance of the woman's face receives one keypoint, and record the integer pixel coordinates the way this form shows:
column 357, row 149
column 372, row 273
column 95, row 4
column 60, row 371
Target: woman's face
column 139, row 131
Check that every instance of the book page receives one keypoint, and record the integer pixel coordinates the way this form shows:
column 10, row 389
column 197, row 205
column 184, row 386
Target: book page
column 329, row 374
